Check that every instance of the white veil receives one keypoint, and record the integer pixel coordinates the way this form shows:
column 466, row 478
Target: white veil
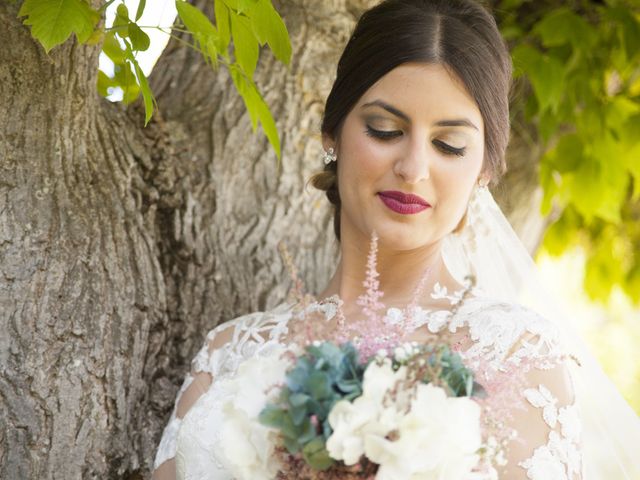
column 489, row 248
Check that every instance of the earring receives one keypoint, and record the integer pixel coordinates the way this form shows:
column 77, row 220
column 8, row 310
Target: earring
column 329, row 156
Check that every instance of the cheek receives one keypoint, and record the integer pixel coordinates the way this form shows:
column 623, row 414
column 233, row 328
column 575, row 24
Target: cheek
column 363, row 163
column 454, row 184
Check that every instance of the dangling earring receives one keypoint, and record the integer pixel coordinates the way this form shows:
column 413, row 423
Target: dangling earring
column 475, row 197
column 329, row 156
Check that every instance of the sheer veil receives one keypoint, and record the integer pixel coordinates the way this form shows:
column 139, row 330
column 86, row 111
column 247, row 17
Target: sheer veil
column 489, row 248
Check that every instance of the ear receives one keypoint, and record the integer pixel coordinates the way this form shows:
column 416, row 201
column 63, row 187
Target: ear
column 328, row 142
column 484, row 179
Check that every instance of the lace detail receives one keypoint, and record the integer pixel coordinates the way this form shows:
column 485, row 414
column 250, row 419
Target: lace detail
column 560, row 458
column 500, row 334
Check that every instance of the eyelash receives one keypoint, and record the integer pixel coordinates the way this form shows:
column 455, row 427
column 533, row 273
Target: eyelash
column 444, row 147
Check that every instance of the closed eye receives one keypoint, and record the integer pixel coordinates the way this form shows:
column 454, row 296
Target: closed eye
column 448, row 149
column 390, row 134
column 382, row 134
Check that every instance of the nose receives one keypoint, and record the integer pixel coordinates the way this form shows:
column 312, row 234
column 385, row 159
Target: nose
column 414, row 163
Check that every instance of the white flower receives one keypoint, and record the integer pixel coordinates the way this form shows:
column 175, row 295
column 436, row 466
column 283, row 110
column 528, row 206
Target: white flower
column 438, row 438
column 249, row 445
column 353, row 422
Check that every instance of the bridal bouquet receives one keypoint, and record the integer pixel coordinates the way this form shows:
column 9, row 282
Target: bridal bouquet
column 404, row 414
column 358, row 401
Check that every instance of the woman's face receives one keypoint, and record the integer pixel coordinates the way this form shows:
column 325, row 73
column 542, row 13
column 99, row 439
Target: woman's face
column 416, row 131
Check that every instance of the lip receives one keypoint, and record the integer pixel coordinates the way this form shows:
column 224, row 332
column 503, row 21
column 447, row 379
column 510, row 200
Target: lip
column 404, row 203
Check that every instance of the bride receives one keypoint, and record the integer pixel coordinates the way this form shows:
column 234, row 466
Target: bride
column 415, row 128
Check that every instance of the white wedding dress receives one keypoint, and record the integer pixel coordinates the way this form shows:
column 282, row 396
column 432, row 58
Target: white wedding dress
column 501, row 334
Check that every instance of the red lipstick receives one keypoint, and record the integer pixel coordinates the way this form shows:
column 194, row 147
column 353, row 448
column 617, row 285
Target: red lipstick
column 404, row 203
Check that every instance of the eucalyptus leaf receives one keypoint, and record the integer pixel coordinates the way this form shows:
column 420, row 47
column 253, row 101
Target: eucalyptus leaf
column 316, row 454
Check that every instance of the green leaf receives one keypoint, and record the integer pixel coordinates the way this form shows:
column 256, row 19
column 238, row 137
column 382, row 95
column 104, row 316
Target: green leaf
column 147, row 95
column 139, row 40
column 562, row 26
column 598, row 187
column 203, row 31
column 221, row 12
column 126, row 80
column 53, row 22
column 196, row 21
column 319, row 385
column 105, row 83
column 245, row 44
column 545, row 72
column 121, row 21
column 269, row 28
column 244, row 5
column 316, row 455
column 272, row 416
column 140, row 9
column 256, row 107
column 567, row 155
column 112, row 48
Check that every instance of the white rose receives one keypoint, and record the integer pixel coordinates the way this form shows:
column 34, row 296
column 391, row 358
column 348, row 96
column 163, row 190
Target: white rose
column 248, row 445
column 353, row 422
column 379, row 378
column 438, row 438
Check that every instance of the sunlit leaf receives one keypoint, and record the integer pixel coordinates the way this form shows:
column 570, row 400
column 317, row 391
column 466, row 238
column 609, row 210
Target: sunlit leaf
column 221, row 12
column 147, row 96
column 112, row 48
column 140, row 9
column 257, row 108
column 193, row 18
column 562, row 26
column 139, row 40
column 105, row 83
column 245, row 44
column 269, row 28
column 121, row 21
column 53, row 22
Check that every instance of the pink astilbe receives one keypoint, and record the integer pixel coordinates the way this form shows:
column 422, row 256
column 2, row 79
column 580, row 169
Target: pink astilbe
column 369, row 301
column 408, row 313
column 373, row 333
column 503, row 387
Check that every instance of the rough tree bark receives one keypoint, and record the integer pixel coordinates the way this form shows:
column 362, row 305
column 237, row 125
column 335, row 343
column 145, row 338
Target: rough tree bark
column 121, row 246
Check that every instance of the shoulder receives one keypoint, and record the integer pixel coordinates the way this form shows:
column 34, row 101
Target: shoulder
column 509, row 331
column 240, row 335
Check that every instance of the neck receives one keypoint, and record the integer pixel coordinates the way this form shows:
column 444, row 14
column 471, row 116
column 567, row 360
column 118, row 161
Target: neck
column 400, row 272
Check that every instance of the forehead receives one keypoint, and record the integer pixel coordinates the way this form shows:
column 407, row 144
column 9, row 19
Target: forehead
column 424, row 91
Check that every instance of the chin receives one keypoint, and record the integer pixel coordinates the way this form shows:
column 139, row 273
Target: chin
column 402, row 239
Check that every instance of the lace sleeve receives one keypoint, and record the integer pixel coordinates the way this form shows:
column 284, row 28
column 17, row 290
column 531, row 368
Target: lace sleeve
column 204, row 368
column 547, row 425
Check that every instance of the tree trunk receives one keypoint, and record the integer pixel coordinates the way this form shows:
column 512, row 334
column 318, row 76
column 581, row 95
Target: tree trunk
column 121, row 246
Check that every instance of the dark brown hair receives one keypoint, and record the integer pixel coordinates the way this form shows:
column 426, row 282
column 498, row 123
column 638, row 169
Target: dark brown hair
column 459, row 34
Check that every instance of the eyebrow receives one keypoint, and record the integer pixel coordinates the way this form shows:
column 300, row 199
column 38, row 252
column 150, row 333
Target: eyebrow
column 458, row 122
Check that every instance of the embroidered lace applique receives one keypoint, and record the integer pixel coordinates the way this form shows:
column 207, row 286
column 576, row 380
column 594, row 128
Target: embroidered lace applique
column 560, row 458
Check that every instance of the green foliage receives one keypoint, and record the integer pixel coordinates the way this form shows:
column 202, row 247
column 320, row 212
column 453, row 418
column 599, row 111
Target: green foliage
column 245, row 25
column 455, row 376
column 320, row 378
column 326, row 374
column 53, row 21
column 582, row 63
